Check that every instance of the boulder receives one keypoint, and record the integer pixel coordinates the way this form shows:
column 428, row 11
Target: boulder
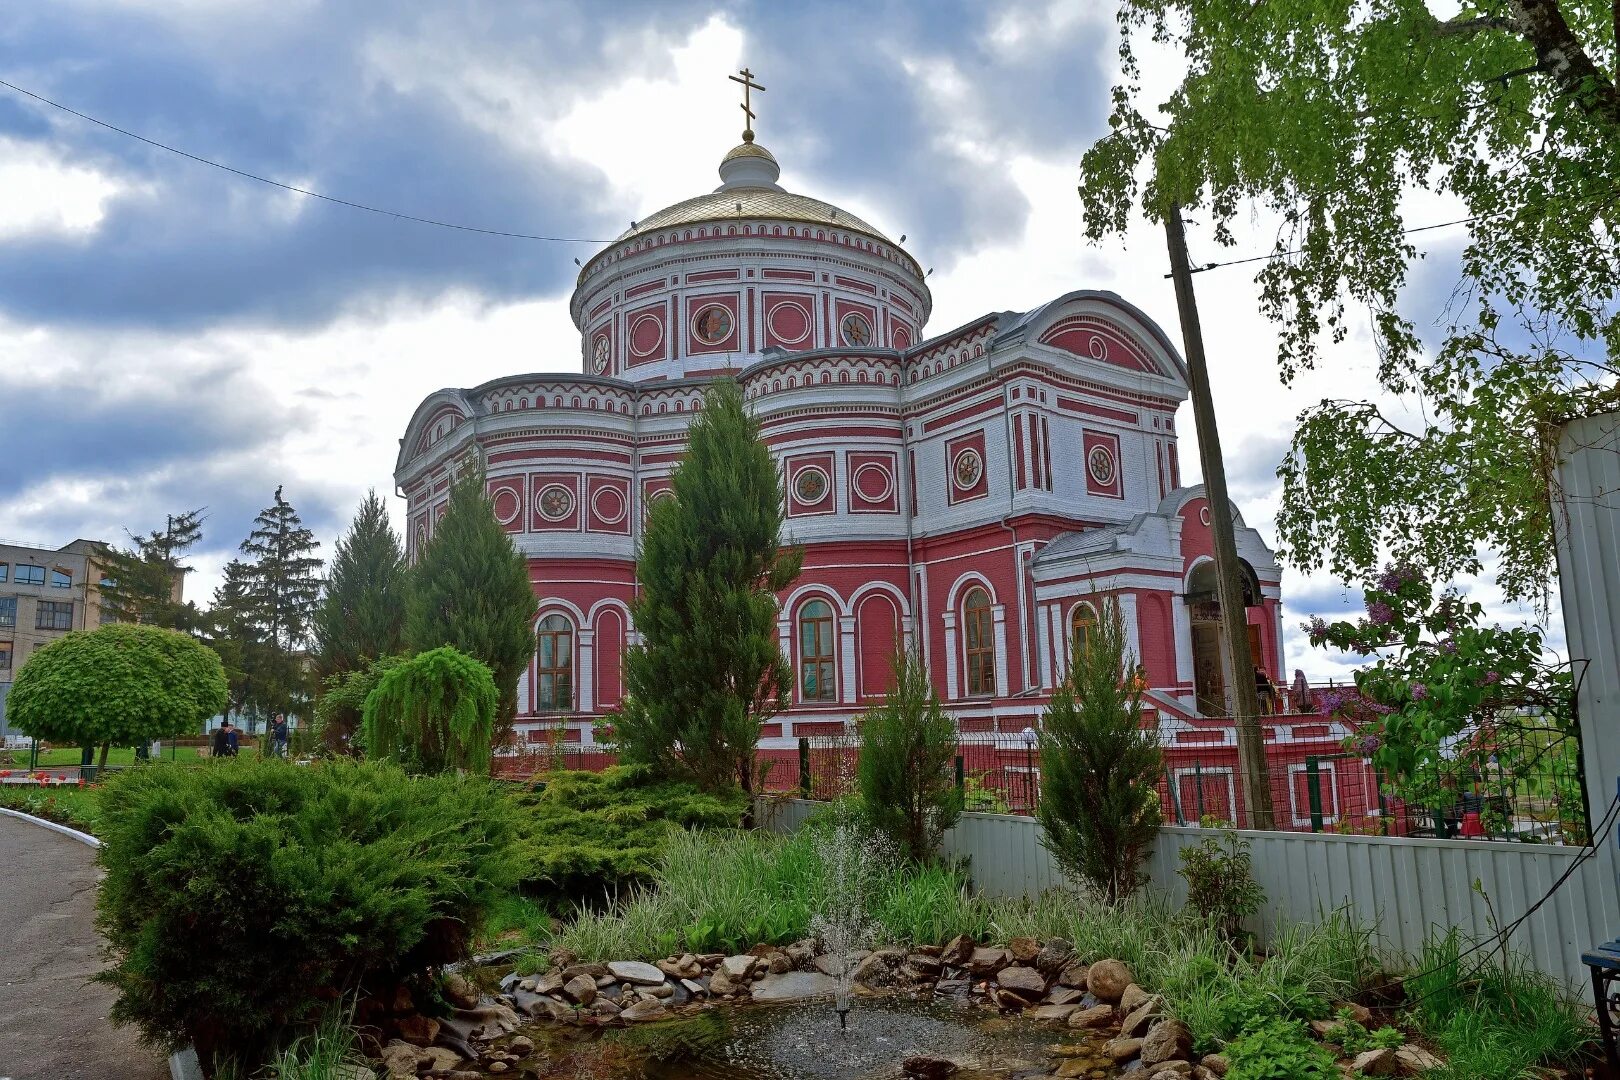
column 440, row 1059
column 522, row 1046
column 595, row 971
column 695, row 988
column 1010, row 1000
column 779, row 964
column 1359, row 1013
column 662, row 991
column 1170, row 1070
column 1215, row 1063
column 1024, row 949
column 1098, row 1016
column 878, row 968
column 1166, row 1040
column 561, row 958
column 988, row 961
column 958, row 952
column 498, row 1067
column 678, row 967
column 1074, row 975
column 1063, row 995
column 1380, row 1062
column 461, row 991
column 1054, row 956
column 1136, row 1022
column 400, row 1059
column 1023, row 981
column 923, row 967
column 1132, row 998
column 922, row 1067
column 1108, row 980
column 581, row 990
column 721, row 984
column 1414, row 1058
column 549, row 983
column 738, row 967
column 606, row 1008
column 801, row 953
column 1056, row 1014
column 418, row 1030
column 832, row 964
column 1122, row 1049
column 647, row 1009
column 795, row 986
column 636, row 973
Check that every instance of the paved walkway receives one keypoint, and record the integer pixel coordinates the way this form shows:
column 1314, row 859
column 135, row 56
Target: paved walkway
column 53, row 1020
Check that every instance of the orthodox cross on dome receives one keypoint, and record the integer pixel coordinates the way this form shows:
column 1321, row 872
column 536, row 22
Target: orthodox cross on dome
column 746, row 77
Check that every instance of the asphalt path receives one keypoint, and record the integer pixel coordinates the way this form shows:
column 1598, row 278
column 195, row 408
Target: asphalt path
column 53, row 1019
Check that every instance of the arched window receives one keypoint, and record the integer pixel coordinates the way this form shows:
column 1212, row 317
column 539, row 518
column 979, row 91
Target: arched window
column 979, row 643
column 817, row 678
column 1081, row 627
column 554, row 667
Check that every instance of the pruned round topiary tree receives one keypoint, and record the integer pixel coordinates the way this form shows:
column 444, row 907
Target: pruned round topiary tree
column 433, row 713
column 121, row 684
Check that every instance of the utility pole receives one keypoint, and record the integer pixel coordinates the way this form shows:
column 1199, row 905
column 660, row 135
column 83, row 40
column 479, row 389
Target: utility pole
column 1252, row 771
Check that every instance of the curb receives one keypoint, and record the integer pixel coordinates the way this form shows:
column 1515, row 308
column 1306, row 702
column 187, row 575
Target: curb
column 182, row 1064
column 74, row 834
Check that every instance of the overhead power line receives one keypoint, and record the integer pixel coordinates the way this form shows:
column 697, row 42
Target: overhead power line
column 1300, row 251
column 293, row 188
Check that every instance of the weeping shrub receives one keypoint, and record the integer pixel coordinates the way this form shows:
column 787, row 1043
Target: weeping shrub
column 433, row 713
column 241, row 900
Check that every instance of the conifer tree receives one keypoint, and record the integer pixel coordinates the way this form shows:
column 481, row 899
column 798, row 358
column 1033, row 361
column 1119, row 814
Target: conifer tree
column 908, row 750
column 709, row 670
column 362, row 615
column 279, row 590
column 470, row 589
column 1099, row 801
column 139, row 582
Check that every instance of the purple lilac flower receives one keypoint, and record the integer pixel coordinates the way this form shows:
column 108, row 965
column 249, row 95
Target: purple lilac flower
column 1380, row 613
column 1370, row 744
column 1419, row 691
column 1448, row 646
column 1397, row 575
column 1317, row 628
column 1492, row 678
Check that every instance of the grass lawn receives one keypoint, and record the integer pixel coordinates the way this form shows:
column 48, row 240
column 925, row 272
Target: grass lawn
column 58, row 756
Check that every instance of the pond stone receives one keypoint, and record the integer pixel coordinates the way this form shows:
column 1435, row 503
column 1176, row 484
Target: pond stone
column 1168, row 1040
column 634, row 971
column 645, row 1010
column 1026, row 982
column 738, row 967
column 1108, row 979
column 795, row 986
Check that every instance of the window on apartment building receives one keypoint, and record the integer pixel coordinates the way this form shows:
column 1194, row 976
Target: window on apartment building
column 5, row 657
column 54, row 615
column 5, row 571
column 817, row 681
column 30, row 575
column 61, row 579
column 979, row 639
column 8, row 611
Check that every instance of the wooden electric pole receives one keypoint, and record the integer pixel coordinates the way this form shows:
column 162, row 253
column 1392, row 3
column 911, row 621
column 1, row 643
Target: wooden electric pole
column 1251, row 747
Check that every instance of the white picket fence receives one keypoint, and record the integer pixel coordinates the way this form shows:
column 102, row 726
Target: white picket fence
column 1405, row 888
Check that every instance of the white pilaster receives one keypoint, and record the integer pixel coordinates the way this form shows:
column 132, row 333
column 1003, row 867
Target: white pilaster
column 952, row 661
column 1282, row 662
column 908, row 633
column 1133, row 629
column 586, row 693
column 1181, row 622
column 846, row 635
column 999, row 613
column 1043, row 634
column 1060, row 646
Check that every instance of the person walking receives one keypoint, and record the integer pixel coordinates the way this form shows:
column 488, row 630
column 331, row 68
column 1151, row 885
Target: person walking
column 279, row 735
column 232, row 739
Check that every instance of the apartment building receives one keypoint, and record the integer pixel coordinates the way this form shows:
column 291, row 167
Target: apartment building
column 45, row 593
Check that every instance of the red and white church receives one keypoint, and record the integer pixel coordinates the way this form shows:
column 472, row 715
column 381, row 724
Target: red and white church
column 983, row 493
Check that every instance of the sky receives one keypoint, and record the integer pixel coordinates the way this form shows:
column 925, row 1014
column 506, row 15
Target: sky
column 173, row 336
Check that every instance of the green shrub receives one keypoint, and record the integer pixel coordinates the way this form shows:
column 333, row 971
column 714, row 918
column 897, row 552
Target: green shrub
column 906, row 769
column 1220, row 881
column 433, row 713
column 240, row 897
column 1278, row 1050
column 589, row 835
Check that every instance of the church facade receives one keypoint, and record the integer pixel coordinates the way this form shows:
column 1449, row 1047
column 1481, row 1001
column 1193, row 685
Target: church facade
column 984, row 494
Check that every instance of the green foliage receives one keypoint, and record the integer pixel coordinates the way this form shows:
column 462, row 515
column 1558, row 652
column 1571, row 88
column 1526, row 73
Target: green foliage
column 1494, row 1018
column 1354, row 1038
column 1220, row 881
column 238, row 899
column 709, row 670
column 1326, row 116
column 1278, row 1050
column 470, row 589
column 592, row 834
column 362, row 615
column 433, row 713
column 982, row 798
column 907, row 763
column 117, row 684
column 1099, row 802
column 1442, row 673
column 340, row 708
column 929, row 904
column 138, row 584
column 75, row 807
column 278, row 588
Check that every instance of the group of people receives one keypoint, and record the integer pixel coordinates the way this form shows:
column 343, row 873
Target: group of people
column 227, row 739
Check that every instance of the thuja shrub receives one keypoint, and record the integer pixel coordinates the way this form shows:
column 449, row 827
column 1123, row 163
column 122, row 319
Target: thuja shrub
column 242, row 898
column 908, row 750
column 588, row 835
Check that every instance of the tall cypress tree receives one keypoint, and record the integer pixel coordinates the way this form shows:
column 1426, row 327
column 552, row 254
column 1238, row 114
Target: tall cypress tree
column 709, row 670
column 470, row 589
column 282, row 588
column 362, row 615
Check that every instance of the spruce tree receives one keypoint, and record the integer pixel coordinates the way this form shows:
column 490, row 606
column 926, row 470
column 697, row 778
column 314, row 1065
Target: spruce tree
column 709, row 670
column 470, row 589
column 139, row 581
column 362, row 615
column 1099, row 800
column 282, row 587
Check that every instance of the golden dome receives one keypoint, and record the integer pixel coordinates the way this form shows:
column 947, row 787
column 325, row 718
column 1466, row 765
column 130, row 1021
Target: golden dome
column 748, row 149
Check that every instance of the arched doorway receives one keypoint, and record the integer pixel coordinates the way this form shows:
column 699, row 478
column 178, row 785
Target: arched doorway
column 1210, row 675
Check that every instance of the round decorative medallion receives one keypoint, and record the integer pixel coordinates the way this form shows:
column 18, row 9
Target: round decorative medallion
column 506, row 505
column 855, row 329
column 1100, row 463
column 601, row 353
column 608, row 505
column 873, row 482
column 712, row 325
column 967, row 468
column 789, row 322
column 646, row 334
column 660, row 495
column 810, row 485
column 1203, row 514
column 555, row 502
